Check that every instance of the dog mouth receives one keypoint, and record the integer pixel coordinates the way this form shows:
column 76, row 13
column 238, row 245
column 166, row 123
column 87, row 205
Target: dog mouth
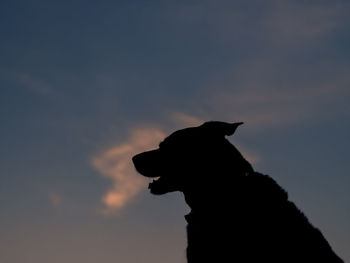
column 153, row 182
column 162, row 185
column 158, row 186
column 162, row 182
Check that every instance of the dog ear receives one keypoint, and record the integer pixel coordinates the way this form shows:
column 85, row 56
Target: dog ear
column 222, row 128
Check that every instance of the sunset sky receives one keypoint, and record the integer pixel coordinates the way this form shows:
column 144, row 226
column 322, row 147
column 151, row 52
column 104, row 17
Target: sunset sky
column 85, row 85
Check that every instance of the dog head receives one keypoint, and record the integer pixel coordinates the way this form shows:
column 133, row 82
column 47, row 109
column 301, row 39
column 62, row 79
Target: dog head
column 192, row 157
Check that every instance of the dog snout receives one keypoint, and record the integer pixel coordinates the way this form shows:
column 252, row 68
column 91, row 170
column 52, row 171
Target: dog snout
column 146, row 163
column 136, row 160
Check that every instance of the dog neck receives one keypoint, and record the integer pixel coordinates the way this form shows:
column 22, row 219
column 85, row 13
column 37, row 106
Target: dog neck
column 217, row 194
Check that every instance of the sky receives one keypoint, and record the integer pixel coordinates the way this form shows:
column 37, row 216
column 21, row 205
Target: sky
column 85, row 85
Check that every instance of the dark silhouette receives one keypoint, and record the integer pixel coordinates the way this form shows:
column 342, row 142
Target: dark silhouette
column 237, row 214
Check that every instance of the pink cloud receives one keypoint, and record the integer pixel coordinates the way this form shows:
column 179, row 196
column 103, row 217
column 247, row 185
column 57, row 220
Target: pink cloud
column 115, row 164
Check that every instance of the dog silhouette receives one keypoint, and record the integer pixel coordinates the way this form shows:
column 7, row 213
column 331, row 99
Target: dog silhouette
column 237, row 214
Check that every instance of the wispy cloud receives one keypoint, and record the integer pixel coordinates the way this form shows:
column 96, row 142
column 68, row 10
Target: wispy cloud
column 285, row 23
column 274, row 101
column 287, row 71
column 115, row 164
column 35, row 85
column 291, row 23
column 183, row 120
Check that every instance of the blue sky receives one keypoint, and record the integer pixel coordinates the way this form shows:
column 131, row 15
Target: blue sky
column 86, row 84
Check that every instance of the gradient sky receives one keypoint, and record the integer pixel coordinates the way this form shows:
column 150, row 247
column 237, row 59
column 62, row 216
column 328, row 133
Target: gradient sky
column 87, row 84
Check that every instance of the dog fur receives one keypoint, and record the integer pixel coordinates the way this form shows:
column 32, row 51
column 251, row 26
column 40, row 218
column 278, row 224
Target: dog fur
column 237, row 214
